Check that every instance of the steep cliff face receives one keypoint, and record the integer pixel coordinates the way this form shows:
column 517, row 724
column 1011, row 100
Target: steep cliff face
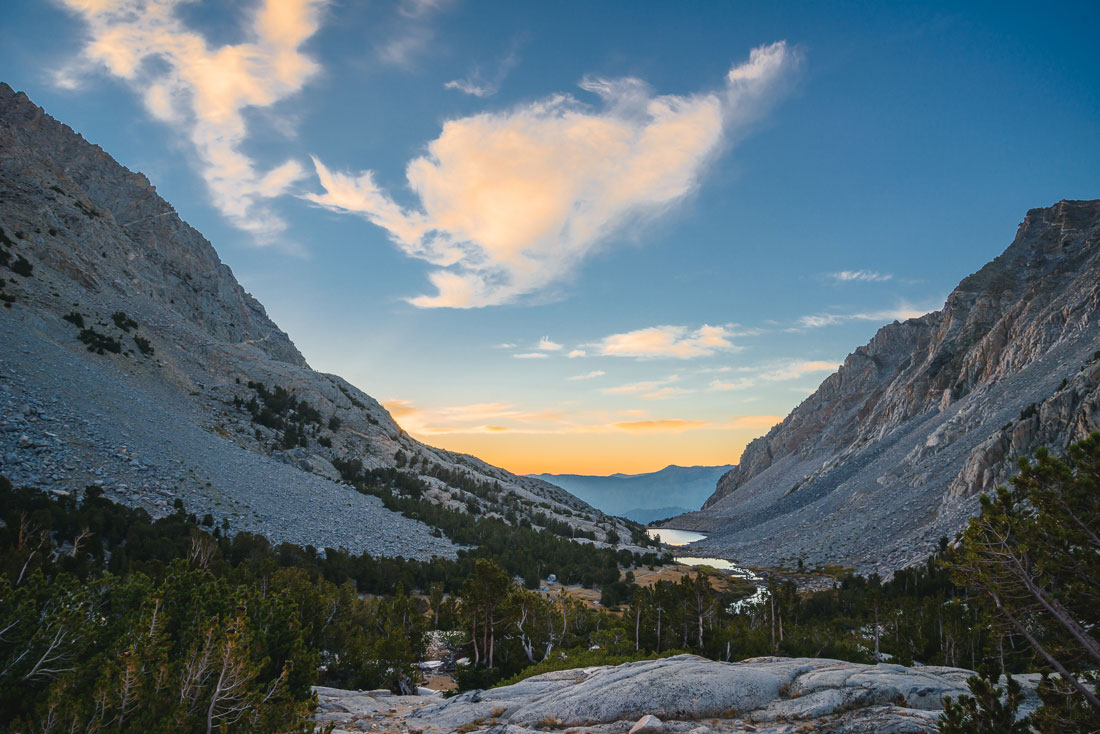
column 141, row 346
column 891, row 451
column 104, row 226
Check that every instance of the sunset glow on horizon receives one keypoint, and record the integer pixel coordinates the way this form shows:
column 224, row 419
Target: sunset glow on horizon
column 580, row 237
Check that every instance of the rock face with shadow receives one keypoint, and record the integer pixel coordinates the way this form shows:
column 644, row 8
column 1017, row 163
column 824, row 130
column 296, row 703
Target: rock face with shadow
column 891, row 452
column 126, row 353
column 686, row 694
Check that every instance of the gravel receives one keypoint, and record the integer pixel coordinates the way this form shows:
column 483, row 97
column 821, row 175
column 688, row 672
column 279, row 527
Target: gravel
column 67, row 421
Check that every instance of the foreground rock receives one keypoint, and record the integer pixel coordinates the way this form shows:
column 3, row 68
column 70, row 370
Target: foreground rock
column 680, row 694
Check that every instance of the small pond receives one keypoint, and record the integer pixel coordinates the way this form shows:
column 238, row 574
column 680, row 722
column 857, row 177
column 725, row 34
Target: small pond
column 669, row 536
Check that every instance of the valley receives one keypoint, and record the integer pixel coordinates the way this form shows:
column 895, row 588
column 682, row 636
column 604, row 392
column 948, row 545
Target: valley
column 200, row 532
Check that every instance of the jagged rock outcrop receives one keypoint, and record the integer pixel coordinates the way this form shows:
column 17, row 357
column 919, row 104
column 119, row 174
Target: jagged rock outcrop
column 776, row 695
column 891, row 451
column 133, row 346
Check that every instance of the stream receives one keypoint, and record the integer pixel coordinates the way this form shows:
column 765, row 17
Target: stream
column 672, row 537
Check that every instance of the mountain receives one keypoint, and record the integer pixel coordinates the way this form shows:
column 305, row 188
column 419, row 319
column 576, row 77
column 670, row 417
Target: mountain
column 643, row 497
column 133, row 359
column 892, row 451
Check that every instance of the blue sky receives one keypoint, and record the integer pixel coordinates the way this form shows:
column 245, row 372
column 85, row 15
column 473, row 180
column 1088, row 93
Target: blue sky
column 449, row 202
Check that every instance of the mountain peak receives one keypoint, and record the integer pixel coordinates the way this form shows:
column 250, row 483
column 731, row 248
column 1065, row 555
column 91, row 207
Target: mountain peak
column 891, row 451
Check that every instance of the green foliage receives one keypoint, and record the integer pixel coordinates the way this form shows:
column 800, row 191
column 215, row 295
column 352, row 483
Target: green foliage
column 22, row 267
column 520, row 551
column 1064, row 710
column 281, row 410
column 7, row 298
column 99, row 343
column 1034, row 552
column 85, row 209
column 136, row 654
column 123, row 321
column 143, row 647
column 144, row 345
column 75, row 318
column 357, row 403
column 988, row 710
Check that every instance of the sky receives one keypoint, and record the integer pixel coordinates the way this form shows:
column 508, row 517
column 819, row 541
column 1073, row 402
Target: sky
column 579, row 237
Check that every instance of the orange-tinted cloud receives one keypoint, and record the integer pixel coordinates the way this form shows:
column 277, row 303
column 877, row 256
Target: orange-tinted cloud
column 667, row 341
column 666, row 426
column 587, row 441
column 203, row 90
column 512, row 201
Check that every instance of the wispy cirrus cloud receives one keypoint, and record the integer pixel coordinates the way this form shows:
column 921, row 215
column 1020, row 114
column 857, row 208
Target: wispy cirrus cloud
column 547, row 345
column 477, row 84
column 865, row 276
column 742, row 383
column 634, row 388
column 510, row 202
column 670, row 425
column 542, row 349
column 816, row 321
column 676, row 342
column 754, row 422
column 481, row 418
column 588, row 375
column 664, row 393
column 772, row 372
column 412, row 32
column 794, row 370
column 203, row 90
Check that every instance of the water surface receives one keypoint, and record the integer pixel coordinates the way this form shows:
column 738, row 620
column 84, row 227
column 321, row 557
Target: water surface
column 675, row 537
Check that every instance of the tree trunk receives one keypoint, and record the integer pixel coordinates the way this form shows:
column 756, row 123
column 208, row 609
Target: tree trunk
column 1066, row 675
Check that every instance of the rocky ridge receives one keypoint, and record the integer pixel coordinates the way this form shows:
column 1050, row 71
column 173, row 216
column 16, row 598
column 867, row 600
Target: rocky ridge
column 891, row 452
column 683, row 694
column 643, row 497
column 129, row 354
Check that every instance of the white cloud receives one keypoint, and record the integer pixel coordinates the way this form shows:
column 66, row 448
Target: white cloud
column 772, row 372
column 506, row 417
column 664, row 393
column 738, row 384
column 639, row 387
column 868, row 276
column 531, row 355
column 588, row 376
column 511, row 202
column 545, row 345
column 476, row 85
column 815, row 321
column 203, row 90
column 793, row 370
column 474, row 89
column 573, row 354
column 667, row 341
column 412, row 33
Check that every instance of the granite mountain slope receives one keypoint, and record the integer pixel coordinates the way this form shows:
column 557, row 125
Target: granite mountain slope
column 891, row 452
column 134, row 359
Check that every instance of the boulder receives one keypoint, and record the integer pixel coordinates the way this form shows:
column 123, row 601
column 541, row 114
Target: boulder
column 648, row 724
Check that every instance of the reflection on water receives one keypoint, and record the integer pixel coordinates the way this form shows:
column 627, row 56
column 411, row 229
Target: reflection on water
column 683, row 537
column 674, row 537
column 720, row 563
